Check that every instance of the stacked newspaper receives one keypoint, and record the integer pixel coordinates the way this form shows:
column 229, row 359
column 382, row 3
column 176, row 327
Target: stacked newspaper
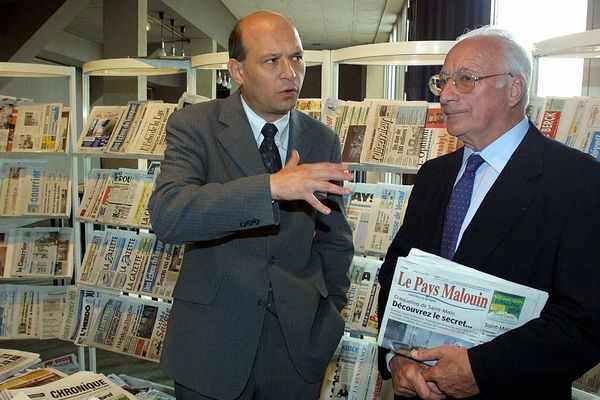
column 13, row 361
column 352, row 373
column 82, row 385
column 130, row 262
column 393, row 133
column 32, row 377
column 30, row 127
column 138, row 128
column 31, row 312
column 117, row 197
column 116, row 322
column 574, row 121
column 390, row 133
column 311, row 107
column 37, row 252
column 188, row 98
column 375, row 213
column 32, row 188
column 436, row 140
column 434, row 302
column 360, row 312
column 349, row 120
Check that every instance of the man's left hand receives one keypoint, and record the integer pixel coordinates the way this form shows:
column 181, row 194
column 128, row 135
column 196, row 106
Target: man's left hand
column 452, row 374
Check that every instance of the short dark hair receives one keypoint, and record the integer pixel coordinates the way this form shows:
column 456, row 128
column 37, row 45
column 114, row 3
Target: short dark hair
column 236, row 48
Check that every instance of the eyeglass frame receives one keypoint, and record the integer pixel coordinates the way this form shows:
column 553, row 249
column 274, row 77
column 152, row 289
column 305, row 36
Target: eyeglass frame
column 475, row 79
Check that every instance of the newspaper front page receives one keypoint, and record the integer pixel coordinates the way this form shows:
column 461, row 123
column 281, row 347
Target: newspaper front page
column 360, row 312
column 130, row 325
column 82, row 385
column 434, row 302
column 386, row 216
column 352, row 373
column 13, row 361
column 37, row 128
column 393, row 133
column 358, row 209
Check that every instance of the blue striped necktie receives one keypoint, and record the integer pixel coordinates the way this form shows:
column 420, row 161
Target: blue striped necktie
column 458, row 206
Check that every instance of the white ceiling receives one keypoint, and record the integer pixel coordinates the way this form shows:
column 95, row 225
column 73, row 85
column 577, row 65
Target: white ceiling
column 329, row 24
column 322, row 24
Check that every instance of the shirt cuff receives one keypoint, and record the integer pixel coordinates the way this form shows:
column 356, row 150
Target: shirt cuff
column 388, row 358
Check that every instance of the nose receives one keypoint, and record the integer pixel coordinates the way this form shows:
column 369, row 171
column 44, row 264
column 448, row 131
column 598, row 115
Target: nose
column 449, row 92
column 287, row 70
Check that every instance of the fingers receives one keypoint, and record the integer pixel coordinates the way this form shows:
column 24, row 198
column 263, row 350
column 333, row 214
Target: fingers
column 309, row 181
column 294, row 159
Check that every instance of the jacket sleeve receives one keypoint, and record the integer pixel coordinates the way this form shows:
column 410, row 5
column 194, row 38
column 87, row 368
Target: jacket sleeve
column 185, row 206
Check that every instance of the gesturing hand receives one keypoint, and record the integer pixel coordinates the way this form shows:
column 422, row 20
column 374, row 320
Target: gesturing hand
column 300, row 182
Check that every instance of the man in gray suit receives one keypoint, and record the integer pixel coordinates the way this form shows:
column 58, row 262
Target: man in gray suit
column 256, row 309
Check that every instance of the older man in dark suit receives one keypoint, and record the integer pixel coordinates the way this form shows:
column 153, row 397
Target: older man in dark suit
column 257, row 305
column 532, row 217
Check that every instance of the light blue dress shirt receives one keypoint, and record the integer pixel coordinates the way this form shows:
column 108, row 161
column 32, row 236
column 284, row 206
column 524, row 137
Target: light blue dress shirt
column 496, row 156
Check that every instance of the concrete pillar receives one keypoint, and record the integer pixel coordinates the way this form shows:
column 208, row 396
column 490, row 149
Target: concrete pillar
column 124, row 27
column 205, row 78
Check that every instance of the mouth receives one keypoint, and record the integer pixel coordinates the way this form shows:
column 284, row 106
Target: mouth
column 289, row 92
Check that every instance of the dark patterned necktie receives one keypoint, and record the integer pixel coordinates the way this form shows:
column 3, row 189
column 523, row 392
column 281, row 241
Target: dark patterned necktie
column 458, row 206
column 268, row 149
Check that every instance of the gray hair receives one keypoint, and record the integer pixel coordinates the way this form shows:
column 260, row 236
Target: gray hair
column 517, row 57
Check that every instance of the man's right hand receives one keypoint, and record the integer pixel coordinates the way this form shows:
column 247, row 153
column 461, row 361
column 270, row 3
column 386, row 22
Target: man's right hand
column 298, row 181
column 407, row 377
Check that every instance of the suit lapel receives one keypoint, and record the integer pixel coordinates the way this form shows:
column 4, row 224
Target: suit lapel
column 508, row 198
column 300, row 138
column 237, row 138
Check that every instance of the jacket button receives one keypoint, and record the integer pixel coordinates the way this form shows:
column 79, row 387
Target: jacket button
column 271, row 260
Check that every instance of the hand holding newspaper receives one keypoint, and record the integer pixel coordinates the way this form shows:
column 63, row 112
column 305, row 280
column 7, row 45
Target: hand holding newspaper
column 435, row 302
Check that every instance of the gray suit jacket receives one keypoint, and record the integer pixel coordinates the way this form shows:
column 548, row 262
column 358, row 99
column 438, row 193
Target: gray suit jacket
column 213, row 194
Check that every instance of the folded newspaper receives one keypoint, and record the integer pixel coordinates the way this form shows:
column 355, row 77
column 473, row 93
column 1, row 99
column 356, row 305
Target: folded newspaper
column 434, row 302
column 82, row 385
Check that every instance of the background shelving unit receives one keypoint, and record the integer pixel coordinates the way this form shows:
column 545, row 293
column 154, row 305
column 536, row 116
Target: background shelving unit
column 125, row 67
column 37, row 73
column 386, row 54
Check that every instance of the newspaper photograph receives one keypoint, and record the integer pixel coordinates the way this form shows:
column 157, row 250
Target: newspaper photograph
column 348, row 119
column 393, row 133
column 434, row 302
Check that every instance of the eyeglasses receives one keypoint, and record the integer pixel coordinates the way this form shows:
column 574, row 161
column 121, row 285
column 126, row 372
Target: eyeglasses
column 463, row 81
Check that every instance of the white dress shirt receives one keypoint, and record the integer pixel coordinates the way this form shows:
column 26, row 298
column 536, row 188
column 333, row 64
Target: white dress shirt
column 283, row 131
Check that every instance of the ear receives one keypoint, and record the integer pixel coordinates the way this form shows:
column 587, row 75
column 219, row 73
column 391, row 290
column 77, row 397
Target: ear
column 516, row 90
column 236, row 70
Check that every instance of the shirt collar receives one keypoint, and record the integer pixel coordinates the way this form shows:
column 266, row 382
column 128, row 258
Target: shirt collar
column 257, row 123
column 497, row 153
